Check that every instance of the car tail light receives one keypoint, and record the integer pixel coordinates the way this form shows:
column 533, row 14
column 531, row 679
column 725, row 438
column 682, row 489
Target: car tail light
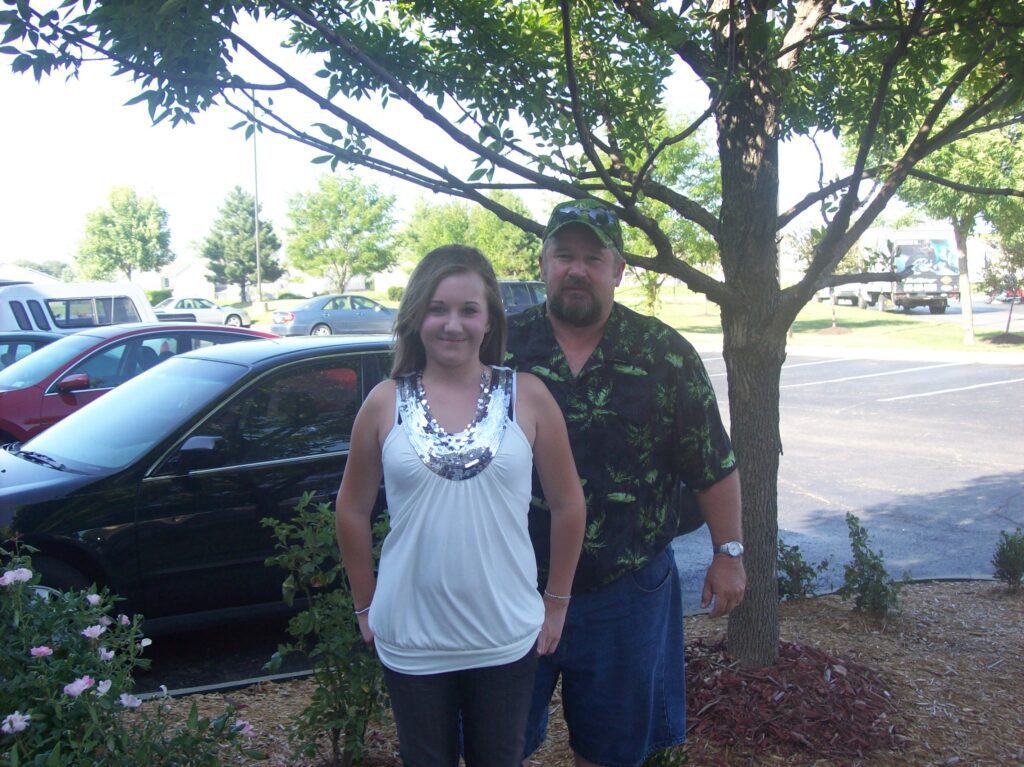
column 283, row 318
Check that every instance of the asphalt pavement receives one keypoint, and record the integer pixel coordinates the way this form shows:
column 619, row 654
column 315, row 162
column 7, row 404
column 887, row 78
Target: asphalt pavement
column 925, row 448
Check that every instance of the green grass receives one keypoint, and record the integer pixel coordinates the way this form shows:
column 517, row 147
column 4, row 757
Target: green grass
column 855, row 328
column 694, row 316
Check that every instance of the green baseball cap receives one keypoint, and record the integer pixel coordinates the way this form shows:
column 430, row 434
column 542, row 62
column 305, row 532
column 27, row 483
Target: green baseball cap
column 593, row 214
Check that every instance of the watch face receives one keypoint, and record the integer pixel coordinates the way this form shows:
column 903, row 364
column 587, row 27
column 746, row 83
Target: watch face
column 733, row 548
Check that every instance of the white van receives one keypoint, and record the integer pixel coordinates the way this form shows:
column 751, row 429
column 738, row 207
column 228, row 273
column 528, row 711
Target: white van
column 66, row 307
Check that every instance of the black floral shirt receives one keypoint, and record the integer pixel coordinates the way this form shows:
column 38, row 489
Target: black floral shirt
column 642, row 416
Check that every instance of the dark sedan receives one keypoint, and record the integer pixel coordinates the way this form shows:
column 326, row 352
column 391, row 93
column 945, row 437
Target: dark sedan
column 336, row 314
column 16, row 344
column 157, row 489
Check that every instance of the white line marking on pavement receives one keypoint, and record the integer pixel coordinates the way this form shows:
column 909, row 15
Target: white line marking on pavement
column 949, row 391
column 872, row 375
column 805, row 364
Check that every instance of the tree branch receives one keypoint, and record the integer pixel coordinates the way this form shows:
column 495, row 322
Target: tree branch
column 432, row 116
column 969, row 189
column 644, row 13
column 809, row 14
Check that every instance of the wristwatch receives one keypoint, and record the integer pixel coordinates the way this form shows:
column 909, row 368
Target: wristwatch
column 730, row 548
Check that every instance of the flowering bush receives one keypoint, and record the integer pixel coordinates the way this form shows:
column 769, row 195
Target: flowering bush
column 350, row 684
column 66, row 699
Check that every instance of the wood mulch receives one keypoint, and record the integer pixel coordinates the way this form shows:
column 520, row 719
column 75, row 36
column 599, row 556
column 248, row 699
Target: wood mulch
column 939, row 684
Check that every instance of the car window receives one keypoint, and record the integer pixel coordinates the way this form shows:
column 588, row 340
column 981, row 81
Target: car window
column 12, row 351
column 20, row 315
column 202, row 303
column 213, row 338
column 111, row 433
column 34, row 368
column 38, row 314
column 358, row 302
column 341, row 302
column 306, row 410
column 107, row 368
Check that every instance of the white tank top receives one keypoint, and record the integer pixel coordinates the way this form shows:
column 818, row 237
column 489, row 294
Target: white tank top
column 457, row 587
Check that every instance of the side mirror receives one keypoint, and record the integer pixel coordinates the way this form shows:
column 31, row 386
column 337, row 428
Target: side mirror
column 200, row 452
column 73, row 382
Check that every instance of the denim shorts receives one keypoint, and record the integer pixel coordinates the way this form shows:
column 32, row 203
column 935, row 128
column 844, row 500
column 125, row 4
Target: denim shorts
column 622, row 668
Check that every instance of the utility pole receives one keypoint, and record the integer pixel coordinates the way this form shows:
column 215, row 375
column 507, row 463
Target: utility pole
column 256, row 202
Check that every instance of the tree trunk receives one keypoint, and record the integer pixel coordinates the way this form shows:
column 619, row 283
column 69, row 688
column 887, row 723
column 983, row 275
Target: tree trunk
column 966, row 298
column 754, row 349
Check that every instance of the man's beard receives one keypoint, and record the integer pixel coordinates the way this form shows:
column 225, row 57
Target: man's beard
column 578, row 313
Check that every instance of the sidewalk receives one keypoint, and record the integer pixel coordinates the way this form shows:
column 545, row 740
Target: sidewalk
column 711, row 344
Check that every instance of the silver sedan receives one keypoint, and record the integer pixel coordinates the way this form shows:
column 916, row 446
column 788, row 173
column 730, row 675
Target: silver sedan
column 334, row 314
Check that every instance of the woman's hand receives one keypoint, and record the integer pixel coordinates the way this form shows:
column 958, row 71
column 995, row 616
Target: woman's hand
column 551, row 630
column 368, row 635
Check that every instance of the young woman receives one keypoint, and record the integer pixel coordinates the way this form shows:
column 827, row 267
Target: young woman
column 455, row 614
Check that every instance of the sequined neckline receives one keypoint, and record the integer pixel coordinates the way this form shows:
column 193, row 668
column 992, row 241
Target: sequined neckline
column 478, row 414
column 458, row 455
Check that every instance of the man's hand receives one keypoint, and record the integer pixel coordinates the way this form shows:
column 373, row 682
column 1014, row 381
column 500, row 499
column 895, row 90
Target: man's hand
column 724, row 584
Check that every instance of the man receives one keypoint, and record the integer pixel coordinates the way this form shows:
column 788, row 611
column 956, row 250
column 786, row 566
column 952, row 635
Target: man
column 642, row 417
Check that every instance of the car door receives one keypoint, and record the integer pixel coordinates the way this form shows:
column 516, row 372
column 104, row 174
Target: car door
column 369, row 316
column 338, row 314
column 110, row 365
column 201, row 543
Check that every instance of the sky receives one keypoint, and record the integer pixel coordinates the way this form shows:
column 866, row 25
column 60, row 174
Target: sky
column 67, row 143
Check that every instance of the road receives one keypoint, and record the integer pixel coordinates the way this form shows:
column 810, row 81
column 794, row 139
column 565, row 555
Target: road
column 986, row 316
column 926, row 453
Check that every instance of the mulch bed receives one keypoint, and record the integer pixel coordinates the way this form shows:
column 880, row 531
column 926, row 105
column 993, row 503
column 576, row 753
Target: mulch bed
column 808, row 702
column 941, row 684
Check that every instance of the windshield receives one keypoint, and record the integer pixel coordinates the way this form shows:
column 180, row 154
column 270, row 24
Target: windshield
column 167, row 302
column 32, row 369
column 121, row 426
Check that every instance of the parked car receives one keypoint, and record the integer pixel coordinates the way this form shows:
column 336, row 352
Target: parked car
column 67, row 307
column 43, row 388
column 157, row 489
column 518, row 295
column 334, row 314
column 201, row 310
column 21, row 343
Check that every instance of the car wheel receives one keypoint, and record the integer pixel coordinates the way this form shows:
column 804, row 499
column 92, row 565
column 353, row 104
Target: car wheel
column 57, row 577
column 937, row 308
column 320, row 330
column 233, row 320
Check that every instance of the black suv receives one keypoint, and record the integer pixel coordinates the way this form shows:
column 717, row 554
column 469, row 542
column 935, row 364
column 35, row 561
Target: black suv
column 518, row 295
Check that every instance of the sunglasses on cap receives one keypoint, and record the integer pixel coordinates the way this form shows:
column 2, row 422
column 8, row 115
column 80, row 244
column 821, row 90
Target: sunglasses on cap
column 601, row 220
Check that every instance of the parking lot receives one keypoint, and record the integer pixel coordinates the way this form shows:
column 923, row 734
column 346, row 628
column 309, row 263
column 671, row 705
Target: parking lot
column 926, row 452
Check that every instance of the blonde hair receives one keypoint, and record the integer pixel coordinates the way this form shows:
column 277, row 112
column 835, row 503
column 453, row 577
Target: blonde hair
column 435, row 266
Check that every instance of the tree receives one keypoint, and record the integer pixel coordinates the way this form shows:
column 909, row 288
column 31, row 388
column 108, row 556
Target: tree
column 59, row 269
column 230, row 247
column 567, row 98
column 513, row 251
column 342, row 229
column 130, row 234
column 981, row 162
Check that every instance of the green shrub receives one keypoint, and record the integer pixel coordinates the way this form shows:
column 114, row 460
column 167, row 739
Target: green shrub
column 796, row 577
column 66, row 697
column 865, row 579
column 156, row 296
column 289, row 295
column 1009, row 559
column 395, row 293
column 349, row 682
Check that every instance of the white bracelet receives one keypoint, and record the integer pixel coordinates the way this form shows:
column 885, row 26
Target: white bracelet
column 362, row 612
column 556, row 596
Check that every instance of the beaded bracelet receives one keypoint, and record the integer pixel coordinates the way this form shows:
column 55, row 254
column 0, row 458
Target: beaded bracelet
column 556, row 596
column 361, row 612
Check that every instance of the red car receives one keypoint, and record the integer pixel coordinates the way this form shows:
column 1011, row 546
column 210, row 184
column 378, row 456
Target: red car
column 40, row 389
